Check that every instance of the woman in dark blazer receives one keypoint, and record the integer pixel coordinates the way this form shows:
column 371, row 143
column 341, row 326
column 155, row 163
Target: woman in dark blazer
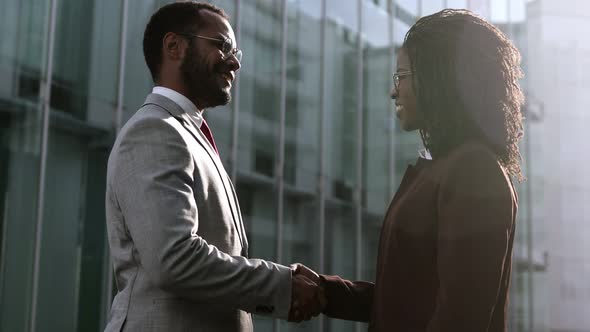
column 444, row 259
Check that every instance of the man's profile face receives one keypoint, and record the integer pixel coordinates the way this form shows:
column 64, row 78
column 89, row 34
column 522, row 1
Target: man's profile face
column 206, row 75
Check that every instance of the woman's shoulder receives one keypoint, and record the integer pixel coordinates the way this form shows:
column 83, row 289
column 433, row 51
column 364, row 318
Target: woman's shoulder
column 471, row 156
column 472, row 164
column 470, row 152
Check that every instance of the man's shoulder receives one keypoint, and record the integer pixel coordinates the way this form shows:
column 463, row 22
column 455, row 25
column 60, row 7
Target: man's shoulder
column 148, row 114
column 150, row 131
column 150, row 110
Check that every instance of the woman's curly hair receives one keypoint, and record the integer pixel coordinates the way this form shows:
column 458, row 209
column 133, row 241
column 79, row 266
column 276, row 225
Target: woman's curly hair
column 466, row 80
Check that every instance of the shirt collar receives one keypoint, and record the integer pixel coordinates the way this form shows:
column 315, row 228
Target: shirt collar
column 424, row 154
column 182, row 101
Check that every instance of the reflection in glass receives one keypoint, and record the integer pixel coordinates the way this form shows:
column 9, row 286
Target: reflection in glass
column 138, row 82
column 341, row 141
column 60, row 242
column 22, row 64
column 259, row 104
column 83, row 100
column 301, row 170
column 340, row 250
column 82, row 89
column 377, row 131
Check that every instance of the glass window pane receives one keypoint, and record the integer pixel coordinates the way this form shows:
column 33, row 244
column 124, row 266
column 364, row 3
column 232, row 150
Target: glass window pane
column 22, row 64
column 258, row 206
column 60, row 242
column 138, row 82
column 481, row 7
column 103, row 76
column 341, row 74
column 456, row 3
column 377, row 130
column 83, row 99
column 431, row 6
column 301, row 172
column 409, row 6
column 22, row 49
column 259, row 84
column 85, row 62
column 340, row 249
column 260, row 80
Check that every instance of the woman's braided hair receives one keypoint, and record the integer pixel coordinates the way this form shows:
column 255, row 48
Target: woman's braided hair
column 466, row 80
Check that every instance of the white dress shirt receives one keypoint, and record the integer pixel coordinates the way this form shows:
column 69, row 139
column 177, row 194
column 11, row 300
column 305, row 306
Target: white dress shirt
column 182, row 101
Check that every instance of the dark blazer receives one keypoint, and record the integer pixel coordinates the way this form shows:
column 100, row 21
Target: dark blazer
column 444, row 260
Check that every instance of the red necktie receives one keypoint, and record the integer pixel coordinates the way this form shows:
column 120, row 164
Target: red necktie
column 207, row 132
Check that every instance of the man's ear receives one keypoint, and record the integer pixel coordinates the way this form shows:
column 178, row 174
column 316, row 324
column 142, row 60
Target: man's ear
column 174, row 46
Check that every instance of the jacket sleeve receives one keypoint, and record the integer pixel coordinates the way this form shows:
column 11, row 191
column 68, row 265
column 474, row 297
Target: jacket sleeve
column 152, row 183
column 476, row 212
column 349, row 300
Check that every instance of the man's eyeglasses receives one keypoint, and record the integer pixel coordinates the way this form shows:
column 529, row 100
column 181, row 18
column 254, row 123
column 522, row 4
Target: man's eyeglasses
column 397, row 76
column 226, row 46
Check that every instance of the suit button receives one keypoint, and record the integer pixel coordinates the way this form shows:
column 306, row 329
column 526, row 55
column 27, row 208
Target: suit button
column 265, row 309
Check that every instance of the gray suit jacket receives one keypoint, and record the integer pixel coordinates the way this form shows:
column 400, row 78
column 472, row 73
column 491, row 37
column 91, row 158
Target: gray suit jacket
column 176, row 234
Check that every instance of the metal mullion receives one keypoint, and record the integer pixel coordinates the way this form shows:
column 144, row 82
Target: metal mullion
column 322, row 159
column 530, row 239
column 359, row 151
column 118, row 123
column 3, row 240
column 280, row 165
column 122, row 56
column 236, row 103
column 528, row 220
column 45, row 91
column 418, row 9
column 390, row 123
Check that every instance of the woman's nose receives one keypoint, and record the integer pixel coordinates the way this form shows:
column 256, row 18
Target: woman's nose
column 393, row 93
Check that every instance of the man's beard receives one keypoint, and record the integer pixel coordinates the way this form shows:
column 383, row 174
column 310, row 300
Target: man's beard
column 201, row 82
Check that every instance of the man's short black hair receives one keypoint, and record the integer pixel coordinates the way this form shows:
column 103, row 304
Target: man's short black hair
column 179, row 17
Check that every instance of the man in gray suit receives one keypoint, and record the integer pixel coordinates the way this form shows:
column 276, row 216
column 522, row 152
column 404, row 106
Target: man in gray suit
column 174, row 224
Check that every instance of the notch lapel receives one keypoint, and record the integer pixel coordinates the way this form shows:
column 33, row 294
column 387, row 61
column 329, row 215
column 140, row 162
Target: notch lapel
column 176, row 111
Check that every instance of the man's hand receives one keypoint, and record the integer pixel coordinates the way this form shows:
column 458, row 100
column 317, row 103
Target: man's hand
column 308, row 299
column 301, row 269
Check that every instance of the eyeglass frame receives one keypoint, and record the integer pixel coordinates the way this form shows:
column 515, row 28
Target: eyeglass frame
column 226, row 43
column 398, row 75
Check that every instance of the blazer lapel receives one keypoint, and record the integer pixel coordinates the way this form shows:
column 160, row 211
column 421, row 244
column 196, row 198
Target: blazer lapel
column 243, row 230
column 179, row 114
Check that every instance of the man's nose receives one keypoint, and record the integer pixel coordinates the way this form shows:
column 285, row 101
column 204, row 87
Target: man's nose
column 233, row 63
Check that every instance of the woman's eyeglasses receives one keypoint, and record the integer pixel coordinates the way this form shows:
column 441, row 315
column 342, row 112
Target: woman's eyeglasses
column 397, row 76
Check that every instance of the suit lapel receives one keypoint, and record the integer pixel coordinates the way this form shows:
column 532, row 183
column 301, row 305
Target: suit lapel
column 243, row 230
column 176, row 111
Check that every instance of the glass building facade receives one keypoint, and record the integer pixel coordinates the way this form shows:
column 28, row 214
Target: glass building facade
column 309, row 140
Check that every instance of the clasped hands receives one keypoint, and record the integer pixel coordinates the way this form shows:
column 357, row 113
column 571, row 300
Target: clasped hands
column 308, row 298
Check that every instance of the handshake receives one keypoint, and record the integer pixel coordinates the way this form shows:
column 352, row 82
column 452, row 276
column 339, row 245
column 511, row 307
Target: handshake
column 307, row 294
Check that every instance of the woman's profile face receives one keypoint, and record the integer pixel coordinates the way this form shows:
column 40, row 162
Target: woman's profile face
column 403, row 93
